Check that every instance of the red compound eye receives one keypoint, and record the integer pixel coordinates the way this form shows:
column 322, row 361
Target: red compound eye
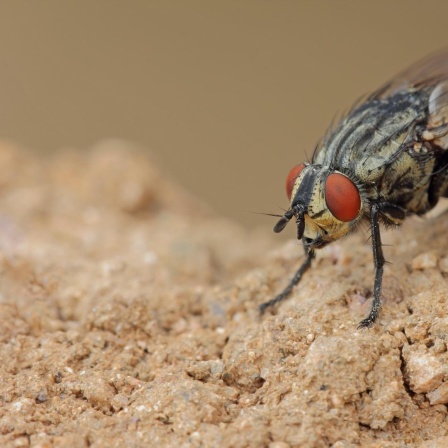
column 342, row 197
column 291, row 179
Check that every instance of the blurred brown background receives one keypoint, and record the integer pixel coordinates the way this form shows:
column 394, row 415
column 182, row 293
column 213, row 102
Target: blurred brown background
column 228, row 95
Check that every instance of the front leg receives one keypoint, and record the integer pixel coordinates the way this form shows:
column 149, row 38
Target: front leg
column 293, row 282
column 378, row 259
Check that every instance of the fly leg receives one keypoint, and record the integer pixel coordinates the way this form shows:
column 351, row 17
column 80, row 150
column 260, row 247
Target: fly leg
column 378, row 259
column 296, row 279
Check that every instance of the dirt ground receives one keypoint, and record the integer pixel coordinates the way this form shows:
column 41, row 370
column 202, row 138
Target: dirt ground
column 129, row 318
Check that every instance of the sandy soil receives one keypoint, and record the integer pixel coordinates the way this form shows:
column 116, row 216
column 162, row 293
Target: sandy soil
column 128, row 317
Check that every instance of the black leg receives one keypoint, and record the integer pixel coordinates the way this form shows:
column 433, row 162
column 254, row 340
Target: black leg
column 296, row 279
column 378, row 259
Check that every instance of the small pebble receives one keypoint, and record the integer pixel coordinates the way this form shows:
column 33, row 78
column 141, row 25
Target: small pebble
column 310, row 338
column 443, row 265
column 426, row 260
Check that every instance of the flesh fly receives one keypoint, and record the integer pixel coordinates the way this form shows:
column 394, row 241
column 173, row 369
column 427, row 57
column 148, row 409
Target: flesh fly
column 386, row 160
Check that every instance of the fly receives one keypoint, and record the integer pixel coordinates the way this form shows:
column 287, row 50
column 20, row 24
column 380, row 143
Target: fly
column 386, row 160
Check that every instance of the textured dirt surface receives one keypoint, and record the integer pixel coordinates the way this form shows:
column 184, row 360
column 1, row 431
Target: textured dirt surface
column 128, row 317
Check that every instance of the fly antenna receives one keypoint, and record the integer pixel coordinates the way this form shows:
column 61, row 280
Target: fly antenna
column 281, row 224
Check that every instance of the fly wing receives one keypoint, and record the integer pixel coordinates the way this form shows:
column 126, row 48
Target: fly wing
column 431, row 72
column 429, row 75
column 438, row 114
column 426, row 72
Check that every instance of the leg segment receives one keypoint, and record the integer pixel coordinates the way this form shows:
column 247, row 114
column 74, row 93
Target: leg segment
column 378, row 259
column 296, row 279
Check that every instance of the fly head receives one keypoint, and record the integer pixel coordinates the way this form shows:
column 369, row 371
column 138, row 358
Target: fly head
column 326, row 204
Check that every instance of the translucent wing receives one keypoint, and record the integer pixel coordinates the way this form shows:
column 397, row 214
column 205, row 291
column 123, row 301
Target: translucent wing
column 431, row 72
column 426, row 72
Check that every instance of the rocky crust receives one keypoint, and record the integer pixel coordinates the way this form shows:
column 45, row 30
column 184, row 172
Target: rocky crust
column 129, row 317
